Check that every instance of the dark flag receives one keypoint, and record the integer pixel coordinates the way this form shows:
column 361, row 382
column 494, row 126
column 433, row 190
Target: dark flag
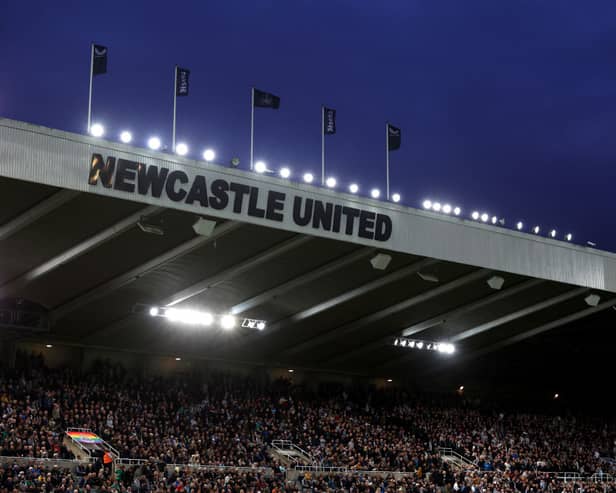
column 266, row 100
column 99, row 60
column 329, row 121
column 393, row 138
column 181, row 81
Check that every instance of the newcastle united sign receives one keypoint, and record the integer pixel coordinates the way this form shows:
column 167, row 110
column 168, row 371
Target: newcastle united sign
column 220, row 194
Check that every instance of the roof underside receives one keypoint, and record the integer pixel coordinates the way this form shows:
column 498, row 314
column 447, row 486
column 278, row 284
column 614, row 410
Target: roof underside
column 83, row 257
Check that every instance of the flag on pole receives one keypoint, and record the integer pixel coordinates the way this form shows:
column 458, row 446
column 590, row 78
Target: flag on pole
column 181, row 81
column 393, row 138
column 264, row 99
column 329, row 121
column 99, row 60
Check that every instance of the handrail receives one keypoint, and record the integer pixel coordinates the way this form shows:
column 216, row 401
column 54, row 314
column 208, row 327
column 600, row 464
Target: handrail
column 211, row 467
column 450, row 451
column 281, row 445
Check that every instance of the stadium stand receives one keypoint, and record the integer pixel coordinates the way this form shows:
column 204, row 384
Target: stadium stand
column 217, row 435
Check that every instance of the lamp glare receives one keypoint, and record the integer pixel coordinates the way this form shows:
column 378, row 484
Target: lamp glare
column 308, row 177
column 375, row 193
column 97, row 130
column 331, row 182
column 260, row 167
column 396, row 197
column 353, row 188
column 181, row 149
column 154, row 143
column 126, row 137
column 209, row 155
column 285, row 172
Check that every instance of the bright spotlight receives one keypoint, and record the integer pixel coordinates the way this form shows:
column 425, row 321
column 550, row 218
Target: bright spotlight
column 173, row 314
column 457, row 211
column 569, row 237
column 153, row 311
column 48, row 346
column 227, row 322
column 178, row 358
column 403, row 342
column 419, row 345
column 261, row 326
column 427, row 204
column 484, row 217
column 494, row 219
column 353, row 188
column 331, row 182
column 285, row 172
column 396, row 197
column 436, row 206
column 475, row 215
column 536, row 230
column 447, row 209
column 396, row 342
column 209, row 155
column 260, row 167
column 154, row 143
column 411, row 343
column 126, row 137
column 181, row 149
column 553, row 233
column 308, row 177
column 97, row 130
column 206, row 318
column 375, row 193
column 520, row 225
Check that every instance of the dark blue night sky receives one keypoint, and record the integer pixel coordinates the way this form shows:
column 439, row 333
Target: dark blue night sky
column 508, row 107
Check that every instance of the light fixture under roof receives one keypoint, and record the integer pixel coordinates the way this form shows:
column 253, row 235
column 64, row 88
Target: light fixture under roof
column 592, row 299
column 496, row 282
column 427, row 276
column 395, row 197
column 440, row 347
column 154, row 143
column 330, row 182
column 427, row 204
column 97, row 130
column 260, row 167
column 380, row 261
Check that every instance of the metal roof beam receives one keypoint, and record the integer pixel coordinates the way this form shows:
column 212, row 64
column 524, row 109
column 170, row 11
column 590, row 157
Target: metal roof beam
column 76, row 251
column 420, row 298
column 510, row 317
column 363, row 321
column 298, row 281
column 475, row 305
column 215, row 279
column 135, row 273
column 349, row 295
column 36, row 212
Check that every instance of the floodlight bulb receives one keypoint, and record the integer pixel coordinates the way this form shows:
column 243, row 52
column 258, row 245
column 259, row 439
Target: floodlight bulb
column 520, row 225
column 396, row 197
column 375, row 193
column 536, row 230
column 419, row 345
column 353, row 188
column 260, row 167
column 260, row 325
column 154, row 143
column 553, row 233
column 447, row 209
column 308, row 177
column 285, row 172
column 331, row 182
column 475, row 215
column 154, row 311
column 457, row 211
column 227, row 322
column 436, row 206
column 427, row 204
column 484, row 217
column 206, row 319
column 181, row 149
column 97, row 130
column 494, row 219
column 569, row 237
column 126, row 137
column 209, row 155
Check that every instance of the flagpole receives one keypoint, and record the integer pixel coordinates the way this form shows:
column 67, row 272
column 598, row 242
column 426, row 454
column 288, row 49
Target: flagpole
column 175, row 97
column 90, row 92
column 387, row 156
column 322, row 145
column 252, row 126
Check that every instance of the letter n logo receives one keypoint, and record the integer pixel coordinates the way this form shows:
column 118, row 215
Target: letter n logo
column 102, row 170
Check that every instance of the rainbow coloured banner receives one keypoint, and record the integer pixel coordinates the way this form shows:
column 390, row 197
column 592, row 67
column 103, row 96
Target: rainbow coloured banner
column 84, row 437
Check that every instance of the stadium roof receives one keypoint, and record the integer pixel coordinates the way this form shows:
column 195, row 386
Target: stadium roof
column 70, row 241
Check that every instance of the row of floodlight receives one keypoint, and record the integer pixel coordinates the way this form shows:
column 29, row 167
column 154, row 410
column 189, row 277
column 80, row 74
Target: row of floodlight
column 154, row 143
column 441, row 347
column 181, row 149
column 330, row 182
column 484, row 217
column 204, row 319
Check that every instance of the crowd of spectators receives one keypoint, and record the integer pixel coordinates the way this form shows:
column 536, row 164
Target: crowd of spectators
column 231, row 421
